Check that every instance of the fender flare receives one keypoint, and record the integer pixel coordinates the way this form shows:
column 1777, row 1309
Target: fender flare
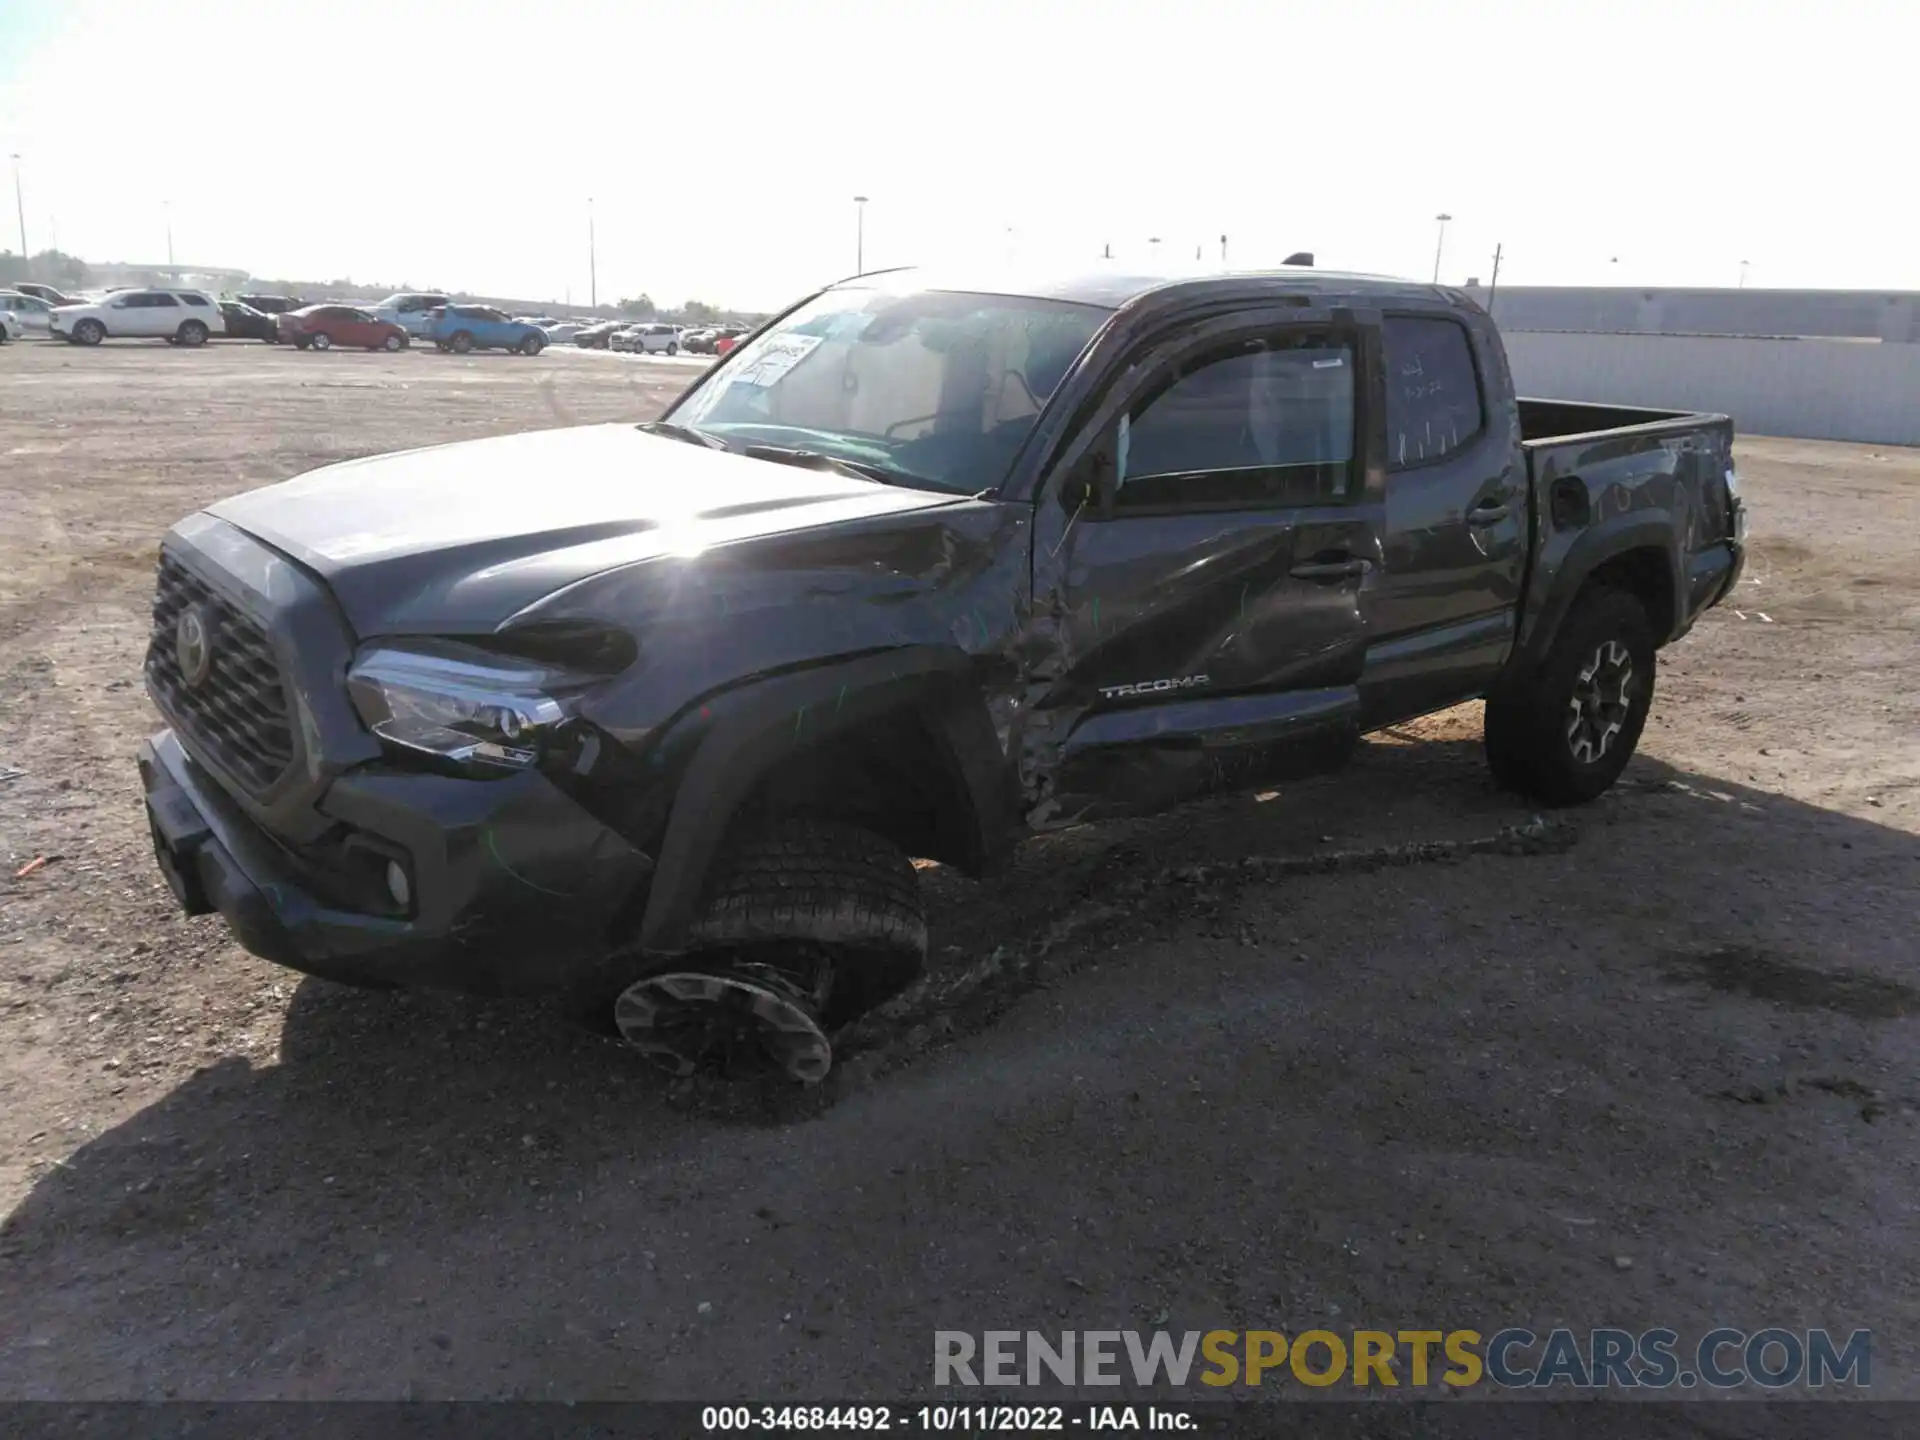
column 1594, row 548
column 753, row 727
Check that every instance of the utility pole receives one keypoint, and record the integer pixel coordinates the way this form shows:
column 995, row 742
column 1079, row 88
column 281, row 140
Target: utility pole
column 1223, row 251
column 1440, row 244
column 167, row 205
column 20, row 205
column 859, row 234
column 1493, row 288
column 1743, row 271
column 593, row 262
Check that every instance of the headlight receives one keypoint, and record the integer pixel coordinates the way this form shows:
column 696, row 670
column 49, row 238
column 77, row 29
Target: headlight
column 461, row 703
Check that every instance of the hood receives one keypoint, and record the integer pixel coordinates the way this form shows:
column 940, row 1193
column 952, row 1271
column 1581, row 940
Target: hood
column 455, row 539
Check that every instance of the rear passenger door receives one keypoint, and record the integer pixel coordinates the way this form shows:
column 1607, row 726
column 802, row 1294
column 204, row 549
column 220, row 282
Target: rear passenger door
column 1209, row 628
column 160, row 314
column 1441, row 619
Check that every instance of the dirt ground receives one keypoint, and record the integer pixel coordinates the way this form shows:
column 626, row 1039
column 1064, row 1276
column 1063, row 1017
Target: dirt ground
column 1355, row 1054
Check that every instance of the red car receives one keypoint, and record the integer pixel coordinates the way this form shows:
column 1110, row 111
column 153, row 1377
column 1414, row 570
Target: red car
column 320, row 327
column 726, row 342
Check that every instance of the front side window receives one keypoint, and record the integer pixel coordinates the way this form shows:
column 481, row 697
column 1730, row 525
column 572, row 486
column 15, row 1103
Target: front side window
column 1266, row 422
column 940, row 388
column 1433, row 391
column 199, row 300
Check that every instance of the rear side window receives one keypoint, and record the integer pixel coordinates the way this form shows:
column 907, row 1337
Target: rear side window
column 199, row 300
column 1434, row 406
column 1265, row 423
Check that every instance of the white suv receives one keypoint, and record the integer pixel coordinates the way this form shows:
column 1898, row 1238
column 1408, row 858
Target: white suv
column 411, row 311
column 180, row 317
column 650, row 339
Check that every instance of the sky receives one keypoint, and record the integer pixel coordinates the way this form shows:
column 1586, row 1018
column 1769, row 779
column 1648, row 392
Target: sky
column 714, row 148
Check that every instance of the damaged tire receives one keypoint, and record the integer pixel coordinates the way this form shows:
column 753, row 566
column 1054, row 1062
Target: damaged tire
column 824, row 884
column 806, row 924
column 1563, row 734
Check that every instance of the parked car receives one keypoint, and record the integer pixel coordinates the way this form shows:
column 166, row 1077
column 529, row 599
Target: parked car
column 648, row 338
column 1218, row 529
column 271, row 304
column 32, row 312
column 412, row 311
column 183, row 317
column 10, row 326
column 562, row 331
column 461, row 328
column 700, row 341
column 246, row 323
column 48, row 293
column 320, row 327
column 725, row 340
column 598, row 336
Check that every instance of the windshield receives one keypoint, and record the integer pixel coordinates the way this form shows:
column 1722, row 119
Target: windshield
column 940, row 388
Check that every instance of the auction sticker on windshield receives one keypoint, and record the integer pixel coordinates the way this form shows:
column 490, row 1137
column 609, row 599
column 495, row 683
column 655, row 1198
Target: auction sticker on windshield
column 777, row 355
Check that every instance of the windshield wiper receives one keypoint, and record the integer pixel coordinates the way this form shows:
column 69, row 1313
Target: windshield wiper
column 819, row 460
column 675, row 431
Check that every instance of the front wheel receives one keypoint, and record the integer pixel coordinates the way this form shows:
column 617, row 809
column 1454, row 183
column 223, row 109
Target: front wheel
column 461, row 343
column 1563, row 733
column 532, row 345
column 89, row 332
column 672, row 349
column 392, row 344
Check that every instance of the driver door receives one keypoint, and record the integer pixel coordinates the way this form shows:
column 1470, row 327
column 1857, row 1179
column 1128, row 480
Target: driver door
column 1206, row 553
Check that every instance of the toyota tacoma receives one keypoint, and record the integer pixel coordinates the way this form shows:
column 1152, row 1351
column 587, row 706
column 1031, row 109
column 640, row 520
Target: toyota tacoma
column 655, row 717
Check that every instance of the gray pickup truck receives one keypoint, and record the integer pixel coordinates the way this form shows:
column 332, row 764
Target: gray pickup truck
column 653, row 716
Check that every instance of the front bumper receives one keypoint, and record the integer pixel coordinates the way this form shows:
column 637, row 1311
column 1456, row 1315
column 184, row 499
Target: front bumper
column 513, row 888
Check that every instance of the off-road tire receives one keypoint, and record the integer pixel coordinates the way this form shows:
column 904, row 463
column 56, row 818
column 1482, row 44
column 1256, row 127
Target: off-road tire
column 1527, row 739
column 828, row 884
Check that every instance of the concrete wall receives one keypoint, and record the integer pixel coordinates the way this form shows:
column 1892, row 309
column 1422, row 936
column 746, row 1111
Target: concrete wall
column 1862, row 314
column 1809, row 389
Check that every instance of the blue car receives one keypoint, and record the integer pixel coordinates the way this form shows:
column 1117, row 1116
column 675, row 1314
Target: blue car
column 461, row 328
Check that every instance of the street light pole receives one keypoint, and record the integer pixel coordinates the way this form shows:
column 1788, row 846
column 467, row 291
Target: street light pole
column 1440, row 244
column 1743, row 273
column 859, row 234
column 593, row 262
column 21, row 206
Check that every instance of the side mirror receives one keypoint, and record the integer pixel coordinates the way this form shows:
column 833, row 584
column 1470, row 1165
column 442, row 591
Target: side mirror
column 1089, row 490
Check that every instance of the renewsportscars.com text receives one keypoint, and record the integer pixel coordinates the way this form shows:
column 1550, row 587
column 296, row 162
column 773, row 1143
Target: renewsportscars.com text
column 1513, row 1358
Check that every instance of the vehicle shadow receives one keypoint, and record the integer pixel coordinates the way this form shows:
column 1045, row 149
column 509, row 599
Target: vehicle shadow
column 250, row 1190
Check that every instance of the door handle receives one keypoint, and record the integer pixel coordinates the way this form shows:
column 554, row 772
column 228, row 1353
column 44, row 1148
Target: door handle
column 1489, row 512
column 1345, row 569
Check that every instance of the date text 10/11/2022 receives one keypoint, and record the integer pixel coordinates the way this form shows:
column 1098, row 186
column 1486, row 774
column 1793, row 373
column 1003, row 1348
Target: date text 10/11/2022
column 947, row 1419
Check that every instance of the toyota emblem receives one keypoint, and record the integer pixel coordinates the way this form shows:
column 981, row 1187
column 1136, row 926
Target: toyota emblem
column 193, row 644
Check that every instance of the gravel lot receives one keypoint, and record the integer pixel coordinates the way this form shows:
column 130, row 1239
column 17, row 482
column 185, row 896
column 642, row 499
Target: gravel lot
column 1342, row 1055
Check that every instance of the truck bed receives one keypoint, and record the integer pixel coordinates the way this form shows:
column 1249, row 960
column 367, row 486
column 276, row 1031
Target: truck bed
column 1618, row 480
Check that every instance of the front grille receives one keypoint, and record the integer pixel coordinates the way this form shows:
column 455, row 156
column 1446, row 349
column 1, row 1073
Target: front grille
column 238, row 712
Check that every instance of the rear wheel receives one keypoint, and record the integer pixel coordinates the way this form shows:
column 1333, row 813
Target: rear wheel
column 461, row 342
column 322, row 341
column 672, row 348
column 1563, row 734
column 191, row 332
column 532, row 345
